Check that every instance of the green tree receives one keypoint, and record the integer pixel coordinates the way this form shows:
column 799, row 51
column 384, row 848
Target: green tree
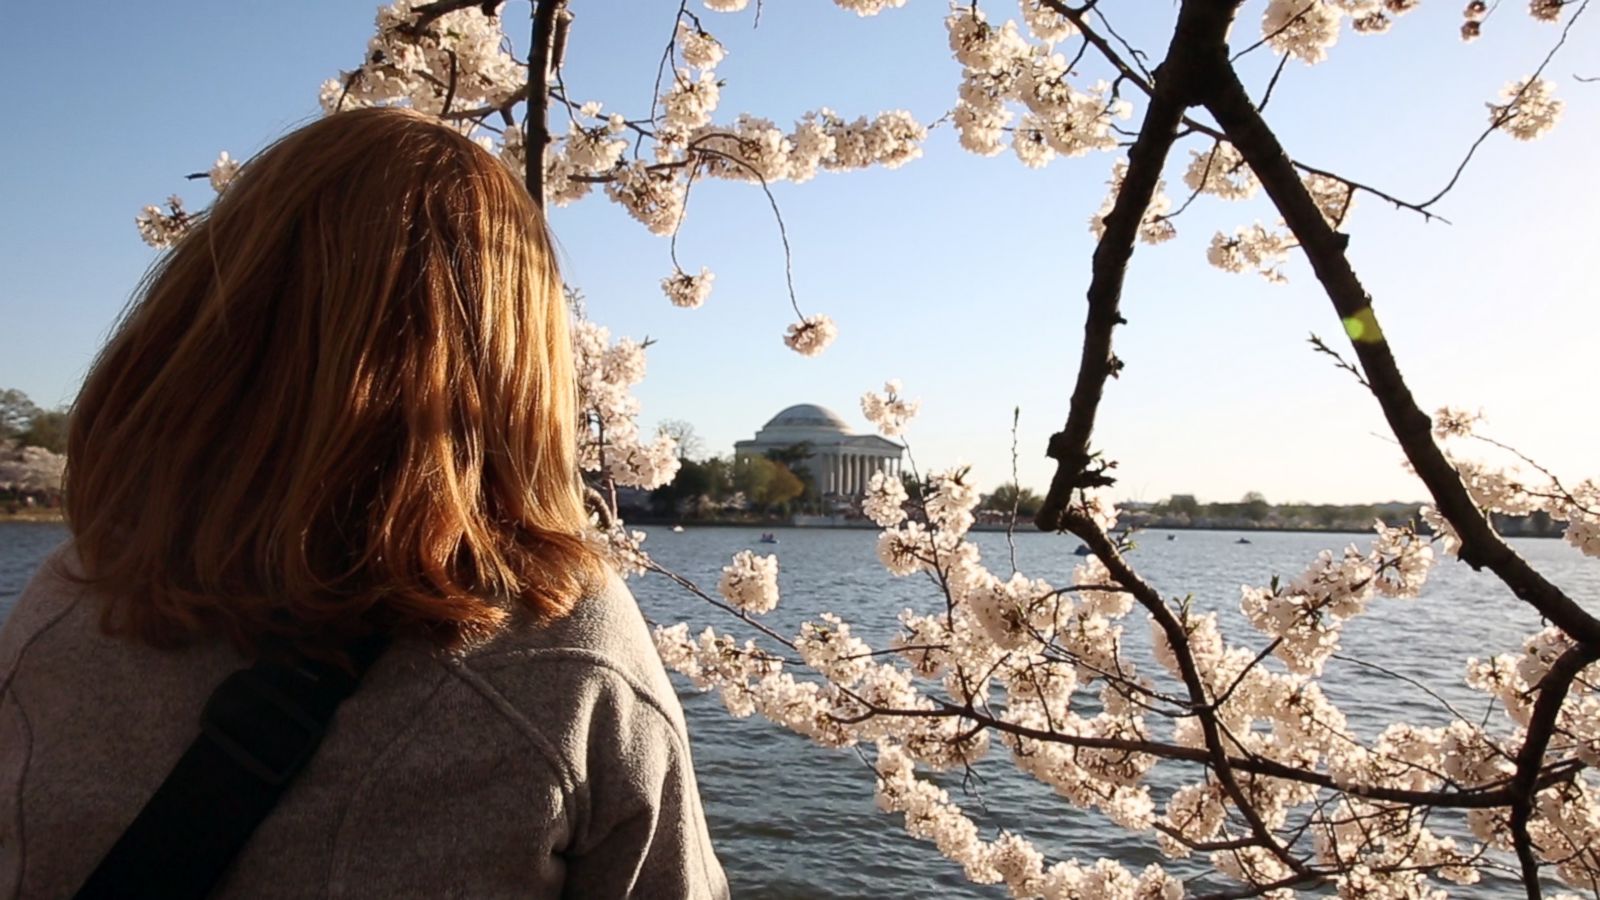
column 1185, row 504
column 1009, row 496
column 766, row 483
column 1255, row 506
column 16, row 412
column 719, row 477
column 692, row 482
column 793, row 459
column 48, row 429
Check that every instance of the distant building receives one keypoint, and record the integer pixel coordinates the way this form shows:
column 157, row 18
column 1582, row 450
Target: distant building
column 840, row 463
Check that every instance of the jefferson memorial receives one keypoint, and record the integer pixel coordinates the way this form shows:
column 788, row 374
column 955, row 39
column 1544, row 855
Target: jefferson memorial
column 840, row 463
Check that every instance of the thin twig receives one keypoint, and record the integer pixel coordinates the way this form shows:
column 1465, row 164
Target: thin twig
column 1505, row 115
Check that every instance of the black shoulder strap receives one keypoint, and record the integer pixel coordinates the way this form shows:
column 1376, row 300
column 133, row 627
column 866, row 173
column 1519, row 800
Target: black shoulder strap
column 258, row 730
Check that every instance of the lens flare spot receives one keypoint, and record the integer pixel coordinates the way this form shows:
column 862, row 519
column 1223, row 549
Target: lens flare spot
column 1363, row 327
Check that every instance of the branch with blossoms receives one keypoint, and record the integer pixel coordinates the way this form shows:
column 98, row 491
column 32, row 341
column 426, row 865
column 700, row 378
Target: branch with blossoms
column 1006, row 657
column 1224, row 751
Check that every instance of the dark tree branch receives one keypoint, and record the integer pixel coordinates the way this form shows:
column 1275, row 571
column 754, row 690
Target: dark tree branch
column 1196, row 46
column 1325, row 249
column 450, row 91
column 1079, row 19
column 536, row 124
column 428, row 13
column 1530, row 759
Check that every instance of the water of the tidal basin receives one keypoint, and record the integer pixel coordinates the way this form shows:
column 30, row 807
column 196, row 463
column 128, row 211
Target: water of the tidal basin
column 791, row 819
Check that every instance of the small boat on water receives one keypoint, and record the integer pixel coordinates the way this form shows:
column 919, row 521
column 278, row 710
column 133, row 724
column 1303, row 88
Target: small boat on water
column 1172, row 537
column 1242, row 541
column 677, row 529
column 1083, row 550
column 769, row 538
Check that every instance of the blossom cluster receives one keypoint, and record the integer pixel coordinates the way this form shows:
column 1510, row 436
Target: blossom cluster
column 160, row 228
column 1511, row 491
column 1154, row 227
column 1306, row 30
column 1006, row 66
column 885, row 500
column 889, row 411
column 1528, row 109
column 461, row 57
column 609, row 442
column 751, row 582
column 1304, row 617
column 457, row 65
column 1221, row 172
column 622, row 546
column 1254, row 248
column 688, row 291
column 811, row 335
column 30, row 469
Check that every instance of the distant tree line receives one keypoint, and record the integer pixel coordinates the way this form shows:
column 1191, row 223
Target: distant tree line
column 721, row 484
column 33, row 444
column 24, row 424
column 1253, row 510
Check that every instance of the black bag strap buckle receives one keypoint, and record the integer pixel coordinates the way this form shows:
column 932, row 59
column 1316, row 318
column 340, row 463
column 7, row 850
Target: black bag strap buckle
column 246, row 697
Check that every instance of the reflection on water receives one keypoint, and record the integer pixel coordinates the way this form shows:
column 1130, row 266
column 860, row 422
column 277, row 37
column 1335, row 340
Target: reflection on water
column 792, row 820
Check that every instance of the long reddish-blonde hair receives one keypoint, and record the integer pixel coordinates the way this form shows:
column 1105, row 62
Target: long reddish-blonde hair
column 344, row 402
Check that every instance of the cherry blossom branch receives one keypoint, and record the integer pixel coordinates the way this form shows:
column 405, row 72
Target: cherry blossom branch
column 450, row 91
column 1133, row 53
column 666, row 58
column 777, row 215
column 1126, row 72
column 1178, row 640
column 1322, row 347
column 1555, row 481
column 1290, row 23
column 1448, row 706
column 1524, row 785
column 476, row 112
column 731, row 610
column 1197, row 50
column 1481, row 797
column 1507, row 113
column 1324, row 248
column 1080, row 21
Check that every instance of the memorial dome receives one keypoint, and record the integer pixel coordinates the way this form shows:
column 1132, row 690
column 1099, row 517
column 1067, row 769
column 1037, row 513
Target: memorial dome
column 811, row 416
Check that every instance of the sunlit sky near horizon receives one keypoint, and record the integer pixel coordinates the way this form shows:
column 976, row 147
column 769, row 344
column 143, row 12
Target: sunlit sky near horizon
column 962, row 276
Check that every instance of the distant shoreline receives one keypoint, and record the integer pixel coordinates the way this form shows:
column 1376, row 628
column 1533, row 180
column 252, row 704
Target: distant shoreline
column 1023, row 527
column 55, row 517
column 35, row 516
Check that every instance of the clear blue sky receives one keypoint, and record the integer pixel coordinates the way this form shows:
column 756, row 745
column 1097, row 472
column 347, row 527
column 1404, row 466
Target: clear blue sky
column 963, row 276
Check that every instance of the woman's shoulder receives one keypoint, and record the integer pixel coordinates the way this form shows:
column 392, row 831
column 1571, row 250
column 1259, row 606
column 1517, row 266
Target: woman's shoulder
column 599, row 653
column 49, row 597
